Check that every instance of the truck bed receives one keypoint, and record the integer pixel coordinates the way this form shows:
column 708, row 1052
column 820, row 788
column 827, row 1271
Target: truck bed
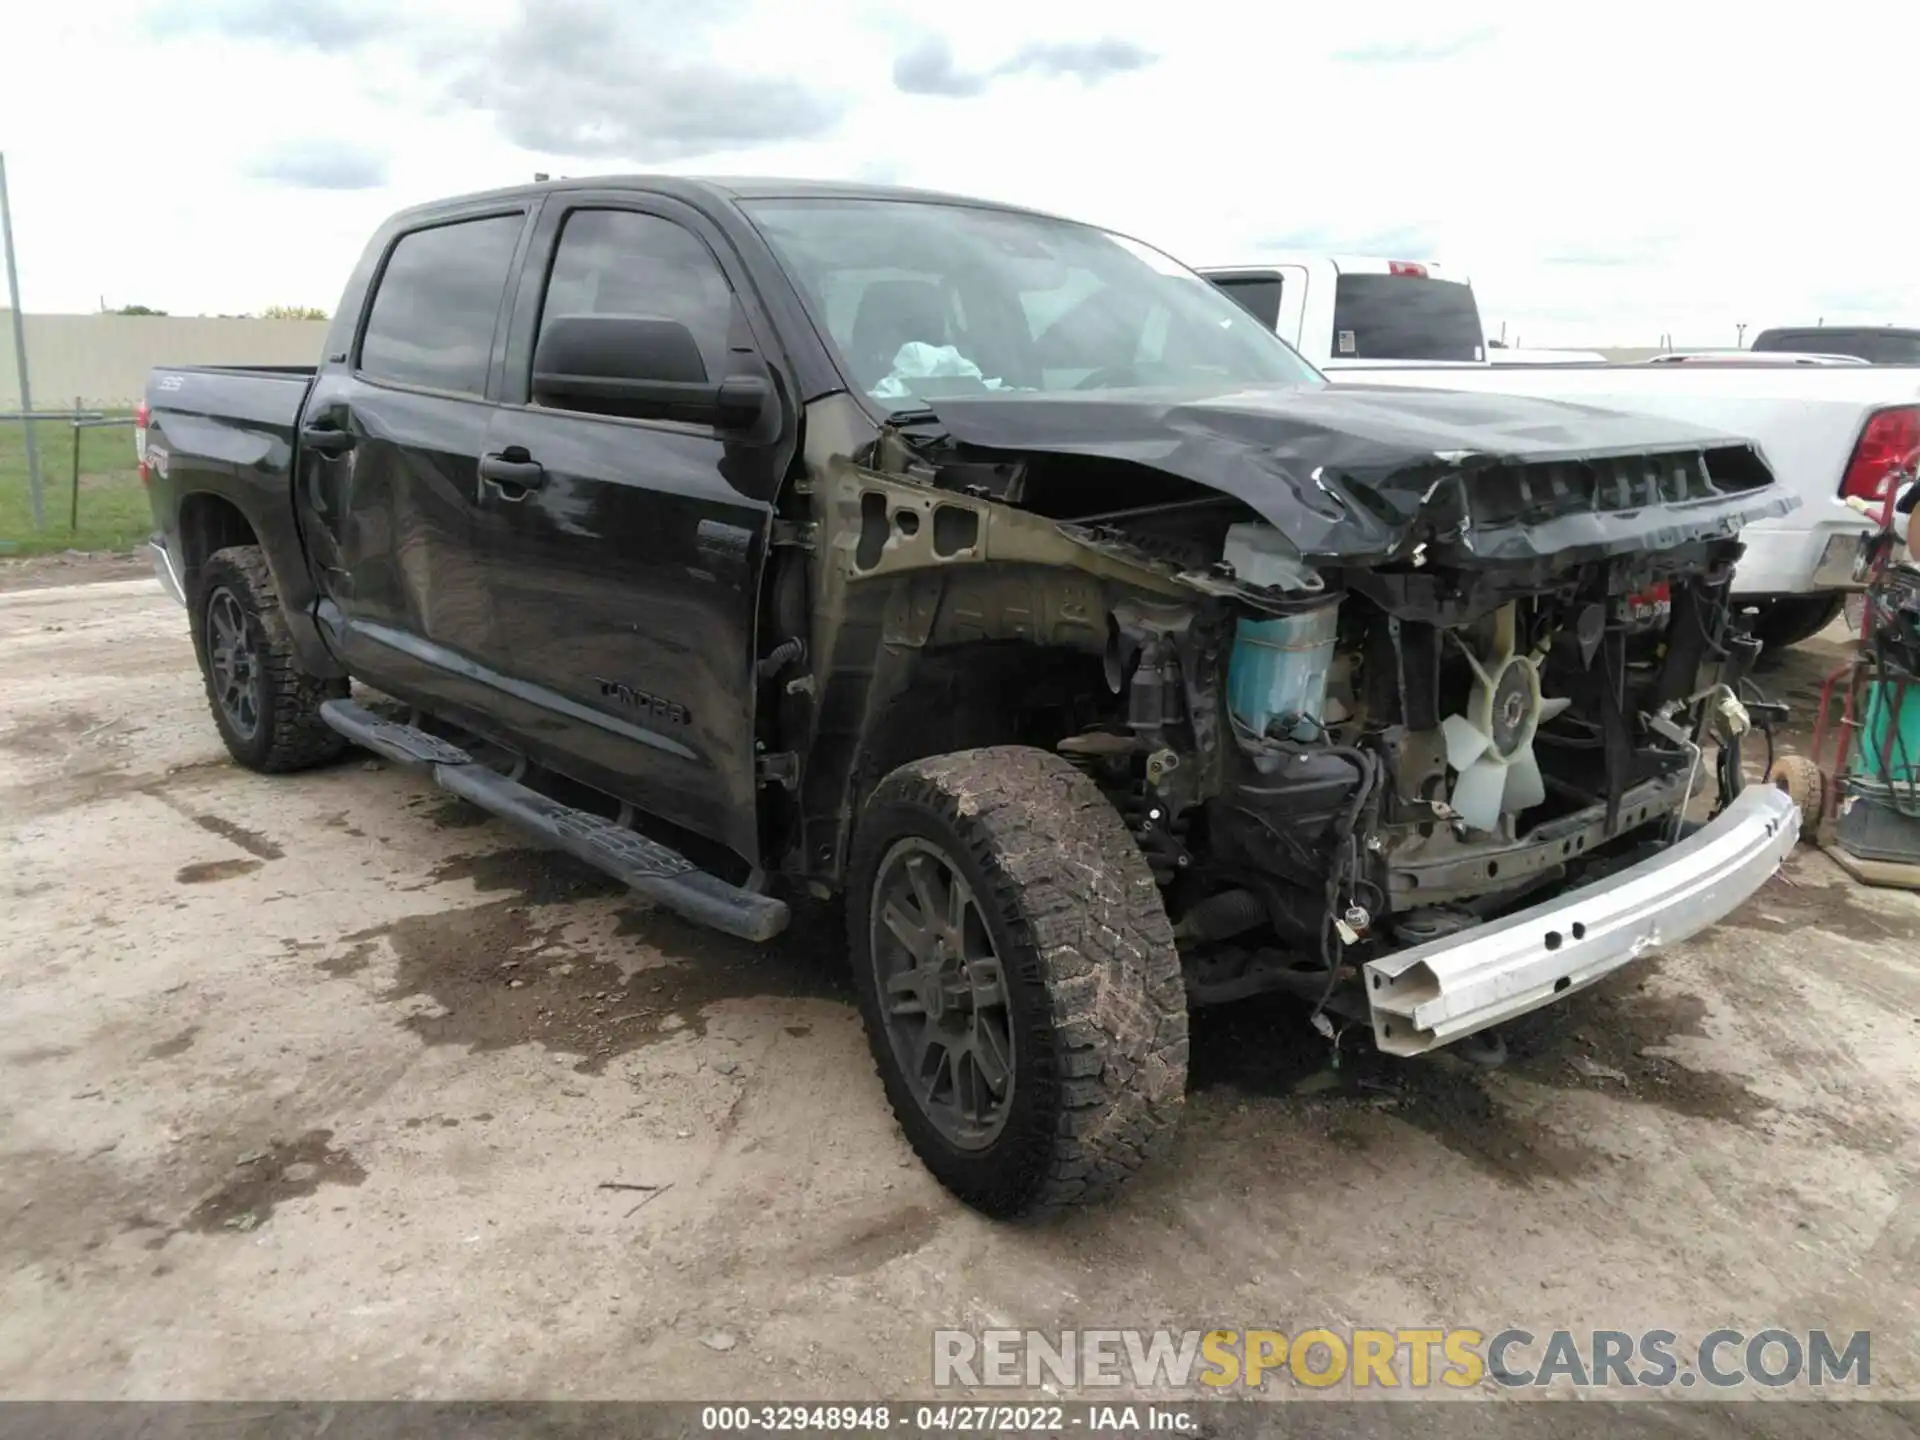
column 218, row 448
column 246, row 393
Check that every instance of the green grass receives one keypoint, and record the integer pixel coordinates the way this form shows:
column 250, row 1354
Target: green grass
column 113, row 505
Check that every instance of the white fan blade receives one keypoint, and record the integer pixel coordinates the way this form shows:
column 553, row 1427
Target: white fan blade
column 1551, row 708
column 1477, row 793
column 1525, row 788
column 1466, row 742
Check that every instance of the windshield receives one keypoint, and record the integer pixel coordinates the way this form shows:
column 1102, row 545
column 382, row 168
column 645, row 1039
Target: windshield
column 1405, row 317
column 923, row 299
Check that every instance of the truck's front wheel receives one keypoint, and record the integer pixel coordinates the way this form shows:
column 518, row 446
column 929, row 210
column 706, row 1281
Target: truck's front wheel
column 266, row 707
column 1022, row 994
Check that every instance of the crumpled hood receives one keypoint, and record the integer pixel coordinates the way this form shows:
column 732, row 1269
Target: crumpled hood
column 1347, row 473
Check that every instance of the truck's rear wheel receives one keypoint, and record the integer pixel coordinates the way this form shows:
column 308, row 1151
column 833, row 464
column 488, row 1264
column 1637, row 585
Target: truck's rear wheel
column 1793, row 618
column 1022, row 994
column 266, row 707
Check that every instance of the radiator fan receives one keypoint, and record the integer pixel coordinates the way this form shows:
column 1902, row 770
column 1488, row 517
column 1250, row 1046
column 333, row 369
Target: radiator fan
column 1490, row 747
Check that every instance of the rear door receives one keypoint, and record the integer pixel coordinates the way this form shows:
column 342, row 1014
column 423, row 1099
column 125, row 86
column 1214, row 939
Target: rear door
column 391, row 440
column 624, row 576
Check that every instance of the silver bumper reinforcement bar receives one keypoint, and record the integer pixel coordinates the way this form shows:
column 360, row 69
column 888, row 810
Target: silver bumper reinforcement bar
column 1436, row 993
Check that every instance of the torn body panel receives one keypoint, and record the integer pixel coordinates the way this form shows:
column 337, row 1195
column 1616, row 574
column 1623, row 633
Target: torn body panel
column 903, row 570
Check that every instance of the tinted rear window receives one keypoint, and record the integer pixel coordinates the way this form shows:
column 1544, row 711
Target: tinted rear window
column 432, row 319
column 1259, row 295
column 1880, row 347
column 1892, row 349
column 1405, row 317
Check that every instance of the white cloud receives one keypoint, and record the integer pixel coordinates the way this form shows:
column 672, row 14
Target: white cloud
column 1673, row 169
column 320, row 162
column 1413, row 50
column 928, row 66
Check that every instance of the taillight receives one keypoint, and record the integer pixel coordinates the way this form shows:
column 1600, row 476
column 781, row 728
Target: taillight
column 1406, row 267
column 1889, row 446
column 1647, row 608
column 141, row 414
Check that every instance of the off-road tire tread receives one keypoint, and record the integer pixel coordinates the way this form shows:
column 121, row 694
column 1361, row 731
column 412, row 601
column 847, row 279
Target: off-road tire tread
column 296, row 737
column 1804, row 784
column 1074, row 894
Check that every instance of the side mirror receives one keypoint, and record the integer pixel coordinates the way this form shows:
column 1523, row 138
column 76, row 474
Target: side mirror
column 640, row 366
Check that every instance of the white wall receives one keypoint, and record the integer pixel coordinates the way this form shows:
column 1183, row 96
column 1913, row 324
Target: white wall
column 104, row 359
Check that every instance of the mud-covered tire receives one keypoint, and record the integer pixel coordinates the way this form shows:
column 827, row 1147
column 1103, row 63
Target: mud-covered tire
column 1805, row 786
column 1094, row 996
column 1793, row 618
column 289, row 733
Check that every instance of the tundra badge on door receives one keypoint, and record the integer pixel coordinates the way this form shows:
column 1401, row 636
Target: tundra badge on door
column 655, row 707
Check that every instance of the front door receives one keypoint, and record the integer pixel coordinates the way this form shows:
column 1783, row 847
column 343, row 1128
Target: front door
column 392, row 439
column 622, row 557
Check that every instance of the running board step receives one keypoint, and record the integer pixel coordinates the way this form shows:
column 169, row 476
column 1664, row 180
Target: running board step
column 661, row 874
column 390, row 739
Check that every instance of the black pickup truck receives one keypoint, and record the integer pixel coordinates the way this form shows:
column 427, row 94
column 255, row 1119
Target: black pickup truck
column 999, row 575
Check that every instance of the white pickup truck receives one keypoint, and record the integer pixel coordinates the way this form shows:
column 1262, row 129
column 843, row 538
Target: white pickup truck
column 1830, row 432
column 1359, row 311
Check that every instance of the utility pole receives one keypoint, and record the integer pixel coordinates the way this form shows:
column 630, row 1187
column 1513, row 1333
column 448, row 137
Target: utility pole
column 20, row 350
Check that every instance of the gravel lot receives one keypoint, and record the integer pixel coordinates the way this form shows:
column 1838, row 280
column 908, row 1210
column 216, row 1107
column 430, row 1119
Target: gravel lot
column 327, row 1087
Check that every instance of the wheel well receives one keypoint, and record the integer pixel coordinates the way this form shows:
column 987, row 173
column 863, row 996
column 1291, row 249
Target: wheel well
column 984, row 693
column 209, row 523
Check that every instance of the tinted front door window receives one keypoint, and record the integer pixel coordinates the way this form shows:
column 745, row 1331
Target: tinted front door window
column 620, row 262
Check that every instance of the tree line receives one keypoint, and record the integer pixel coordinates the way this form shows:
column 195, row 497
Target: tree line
column 272, row 312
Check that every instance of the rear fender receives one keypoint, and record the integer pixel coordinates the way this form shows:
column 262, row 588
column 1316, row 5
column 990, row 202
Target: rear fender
column 212, row 519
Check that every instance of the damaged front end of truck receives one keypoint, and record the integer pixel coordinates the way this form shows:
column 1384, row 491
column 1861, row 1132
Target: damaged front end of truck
column 1426, row 708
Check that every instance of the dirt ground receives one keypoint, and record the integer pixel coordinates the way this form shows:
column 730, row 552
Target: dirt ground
column 73, row 567
column 328, row 1087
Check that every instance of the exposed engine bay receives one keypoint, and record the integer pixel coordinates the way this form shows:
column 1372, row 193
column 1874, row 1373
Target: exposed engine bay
column 1354, row 692
column 1395, row 766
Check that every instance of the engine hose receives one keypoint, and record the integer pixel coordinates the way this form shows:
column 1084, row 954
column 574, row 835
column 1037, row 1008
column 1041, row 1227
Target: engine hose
column 1345, row 859
column 1346, row 862
column 1758, row 695
column 1218, row 916
column 1162, row 838
column 783, row 654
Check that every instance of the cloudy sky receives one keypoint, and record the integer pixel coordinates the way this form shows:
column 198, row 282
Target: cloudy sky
column 1642, row 168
